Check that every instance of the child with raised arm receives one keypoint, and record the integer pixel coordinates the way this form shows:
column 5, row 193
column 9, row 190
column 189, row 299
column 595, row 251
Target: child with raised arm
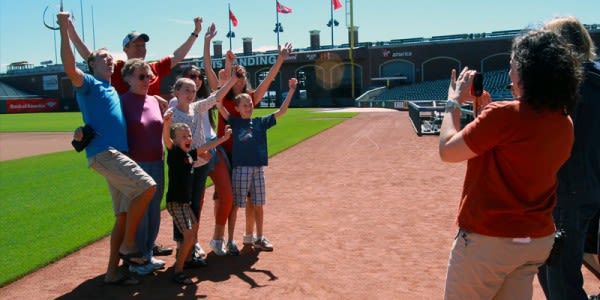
column 189, row 112
column 180, row 159
column 250, row 155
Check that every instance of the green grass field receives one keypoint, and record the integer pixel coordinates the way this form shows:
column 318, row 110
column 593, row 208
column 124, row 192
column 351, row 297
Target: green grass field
column 53, row 204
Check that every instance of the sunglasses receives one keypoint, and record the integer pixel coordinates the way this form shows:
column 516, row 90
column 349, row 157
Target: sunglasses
column 194, row 77
column 143, row 77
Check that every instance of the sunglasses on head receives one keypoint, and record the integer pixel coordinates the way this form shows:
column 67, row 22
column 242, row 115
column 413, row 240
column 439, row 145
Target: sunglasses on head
column 142, row 77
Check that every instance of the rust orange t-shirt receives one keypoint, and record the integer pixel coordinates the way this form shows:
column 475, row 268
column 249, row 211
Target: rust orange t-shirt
column 510, row 187
column 160, row 69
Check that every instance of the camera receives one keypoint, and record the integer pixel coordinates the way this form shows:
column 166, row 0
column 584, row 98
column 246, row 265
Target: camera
column 477, row 87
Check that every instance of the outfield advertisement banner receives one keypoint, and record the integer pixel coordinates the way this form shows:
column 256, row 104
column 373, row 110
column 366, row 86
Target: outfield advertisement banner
column 31, row 105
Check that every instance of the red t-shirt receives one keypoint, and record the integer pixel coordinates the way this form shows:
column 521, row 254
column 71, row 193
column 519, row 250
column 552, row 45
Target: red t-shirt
column 230, row 106
column 160, row 69
column 510, row 187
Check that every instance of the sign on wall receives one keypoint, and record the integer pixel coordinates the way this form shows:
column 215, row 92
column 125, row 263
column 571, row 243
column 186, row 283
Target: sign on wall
column 50, row 82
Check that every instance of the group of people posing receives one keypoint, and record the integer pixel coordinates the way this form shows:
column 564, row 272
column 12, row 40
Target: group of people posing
column 533, row 163
column 133, row 126
column 533, row 170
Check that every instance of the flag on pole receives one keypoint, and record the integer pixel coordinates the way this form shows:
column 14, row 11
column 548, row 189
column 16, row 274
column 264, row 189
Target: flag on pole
column 336, row 4
column 233, row 19
column 283, row 9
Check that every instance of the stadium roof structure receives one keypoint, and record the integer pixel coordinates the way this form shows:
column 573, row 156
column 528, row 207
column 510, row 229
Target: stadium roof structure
column 9, row 92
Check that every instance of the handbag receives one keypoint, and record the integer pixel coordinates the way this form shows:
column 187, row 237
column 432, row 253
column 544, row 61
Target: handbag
column 88, row 135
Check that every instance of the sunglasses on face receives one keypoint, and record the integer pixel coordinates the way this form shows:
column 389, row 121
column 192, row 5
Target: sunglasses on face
column 143, row 77
column 195, row 76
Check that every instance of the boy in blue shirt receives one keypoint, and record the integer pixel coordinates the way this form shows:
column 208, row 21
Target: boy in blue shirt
column 250, row 155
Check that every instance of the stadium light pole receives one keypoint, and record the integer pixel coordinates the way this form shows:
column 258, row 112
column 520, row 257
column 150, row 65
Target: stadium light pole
column 278, row 27
column 230, row 34
column 332, row 22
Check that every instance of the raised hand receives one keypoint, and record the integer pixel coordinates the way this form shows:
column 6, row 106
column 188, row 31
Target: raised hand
column 211, row 32
column 292, row 83
column 197, row 25
column 62, row 18
column 285, row 50
column 228, row 132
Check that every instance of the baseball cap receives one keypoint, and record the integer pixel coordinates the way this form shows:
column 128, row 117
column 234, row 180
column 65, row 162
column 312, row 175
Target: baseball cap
column 134, row 35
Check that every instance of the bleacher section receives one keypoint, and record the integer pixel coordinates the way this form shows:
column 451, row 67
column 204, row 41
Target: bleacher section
column 494, row 82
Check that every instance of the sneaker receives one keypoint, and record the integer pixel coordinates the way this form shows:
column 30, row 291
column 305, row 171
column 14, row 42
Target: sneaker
column 263, row 244
column 217, row 247
column 199, row 252
column 141, row 269
column 157, row 264
column 232, row 248
column 249, row 239
column 160, row 250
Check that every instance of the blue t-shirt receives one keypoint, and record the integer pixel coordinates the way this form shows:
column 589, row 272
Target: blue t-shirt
column 101, row 109
column 250, row 140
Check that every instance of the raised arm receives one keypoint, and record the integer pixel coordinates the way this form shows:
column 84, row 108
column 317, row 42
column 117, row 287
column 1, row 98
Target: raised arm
column 183, row 50
column 66, row 53
column 284, row 106
column 452, row 146
column 168, row 118
column 206, row 104
column 81, row 47
column 222, row 110
column 211, row 76
column 264, row 86
column 217, row 142
column 229, row 59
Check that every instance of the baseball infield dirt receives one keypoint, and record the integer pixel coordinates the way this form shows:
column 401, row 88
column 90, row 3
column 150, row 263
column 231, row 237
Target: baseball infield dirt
column 364, row 210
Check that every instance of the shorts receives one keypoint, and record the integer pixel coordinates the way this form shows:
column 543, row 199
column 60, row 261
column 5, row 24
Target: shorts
column 182, row 214
column 126, row 179
column 248, row 181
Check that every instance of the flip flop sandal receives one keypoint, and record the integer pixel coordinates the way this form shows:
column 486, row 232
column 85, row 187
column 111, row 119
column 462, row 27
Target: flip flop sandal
column 135, row 258
column 125, row 280
column 181, row 278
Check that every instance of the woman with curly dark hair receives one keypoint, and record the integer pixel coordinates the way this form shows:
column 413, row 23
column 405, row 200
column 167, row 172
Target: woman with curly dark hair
column 513, row 151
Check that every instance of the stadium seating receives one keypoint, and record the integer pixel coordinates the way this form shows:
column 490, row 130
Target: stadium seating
column 495, row 83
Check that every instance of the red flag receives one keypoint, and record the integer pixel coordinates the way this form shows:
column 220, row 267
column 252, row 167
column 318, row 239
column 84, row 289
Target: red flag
column 283, row 9
column 233, row 19
column 336, row 4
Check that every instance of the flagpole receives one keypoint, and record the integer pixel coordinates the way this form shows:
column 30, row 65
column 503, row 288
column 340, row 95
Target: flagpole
column 277, row 22
column 82, row 30
column 331, row 20
column 352, row 41
column 229, row 17
column 93, row 28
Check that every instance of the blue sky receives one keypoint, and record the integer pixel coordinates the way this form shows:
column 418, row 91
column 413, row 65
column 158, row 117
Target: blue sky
column 168, row 23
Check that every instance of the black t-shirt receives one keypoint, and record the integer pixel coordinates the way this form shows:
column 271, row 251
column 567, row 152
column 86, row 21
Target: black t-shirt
column 181, row 175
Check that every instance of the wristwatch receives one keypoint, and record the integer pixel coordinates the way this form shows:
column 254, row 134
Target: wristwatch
column 452, row 104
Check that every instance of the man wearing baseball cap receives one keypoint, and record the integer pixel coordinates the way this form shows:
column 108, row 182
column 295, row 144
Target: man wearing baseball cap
column 134, row 46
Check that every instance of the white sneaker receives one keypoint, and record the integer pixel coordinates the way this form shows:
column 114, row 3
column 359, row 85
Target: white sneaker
column 249, row 239
column 157, row 264
column 217, row 247
column 263, row 244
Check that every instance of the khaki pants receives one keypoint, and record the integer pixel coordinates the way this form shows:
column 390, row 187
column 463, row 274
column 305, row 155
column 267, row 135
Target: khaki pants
column 485, row 267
